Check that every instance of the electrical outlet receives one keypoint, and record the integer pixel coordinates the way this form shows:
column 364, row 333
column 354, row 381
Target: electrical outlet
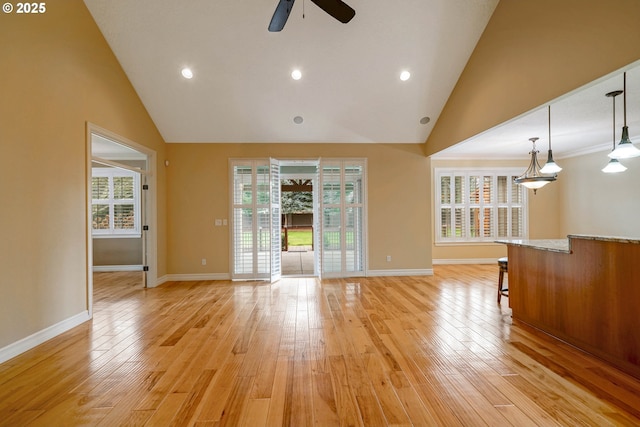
column 388, row 258
column 224, row 222
column 218, row 222
column 204, row 261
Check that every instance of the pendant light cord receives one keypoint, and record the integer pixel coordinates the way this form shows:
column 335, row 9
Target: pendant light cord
column 549, row 109
column 614, row 122
column 624, row 97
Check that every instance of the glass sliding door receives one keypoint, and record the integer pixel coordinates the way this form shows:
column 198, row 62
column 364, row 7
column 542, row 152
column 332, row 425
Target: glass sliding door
column 342, row 222
column 339, row 219
column 252, row 225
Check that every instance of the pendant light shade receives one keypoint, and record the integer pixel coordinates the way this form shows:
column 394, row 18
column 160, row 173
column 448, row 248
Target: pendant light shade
column 614, row 165
column 533, row 178
column 625, row 148
column 550, row 166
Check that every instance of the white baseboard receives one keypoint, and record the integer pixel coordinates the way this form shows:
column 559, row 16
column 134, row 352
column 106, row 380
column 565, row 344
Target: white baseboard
column 110, row 268
column 161, row 280
column 19, row 347
column 407, row 272
column 193, row 277
column 466, row 261
column 227, row 276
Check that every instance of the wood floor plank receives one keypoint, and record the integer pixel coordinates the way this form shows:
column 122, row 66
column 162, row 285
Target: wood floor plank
column 194, row 397
column 265, row 375
column 422, row 351
column 222, row 385
column 237, row 400
column 325, row 411
column 345, row 397
column 302, row 399
column 280, row 402
column 168, row 410
column 255, row 414
column 392, row 408
column 419, row 413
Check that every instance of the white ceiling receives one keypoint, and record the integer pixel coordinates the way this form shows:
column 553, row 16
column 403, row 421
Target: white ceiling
column 581, row 123
column 350, row 91
column 242, row 90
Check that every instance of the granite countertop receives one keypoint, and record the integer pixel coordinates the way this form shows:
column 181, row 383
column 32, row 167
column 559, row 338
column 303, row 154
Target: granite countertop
column 633, row 240
column 553, row 245
column 564, row 245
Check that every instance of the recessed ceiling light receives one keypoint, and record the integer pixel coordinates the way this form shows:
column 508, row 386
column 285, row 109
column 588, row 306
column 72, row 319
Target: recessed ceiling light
column 187, row 73
column 425, row 120
column 298, row 119
column 404, row 76
column 296, row 74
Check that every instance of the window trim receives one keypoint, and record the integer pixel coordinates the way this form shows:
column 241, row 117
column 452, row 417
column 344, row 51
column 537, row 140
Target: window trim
column 510, row 172
column 112, row 233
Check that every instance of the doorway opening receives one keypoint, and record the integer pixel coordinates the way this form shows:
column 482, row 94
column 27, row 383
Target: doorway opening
column 297, row 179
column 121, row 193
column 338, row 191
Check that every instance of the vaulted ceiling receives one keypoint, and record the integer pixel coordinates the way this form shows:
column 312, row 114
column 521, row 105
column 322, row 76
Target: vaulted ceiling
column 350, row 90
column 242, row 89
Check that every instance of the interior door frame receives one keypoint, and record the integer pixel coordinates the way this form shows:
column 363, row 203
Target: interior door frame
column 149, row 213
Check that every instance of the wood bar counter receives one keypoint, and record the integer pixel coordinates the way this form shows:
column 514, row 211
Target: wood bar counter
column 584, row 290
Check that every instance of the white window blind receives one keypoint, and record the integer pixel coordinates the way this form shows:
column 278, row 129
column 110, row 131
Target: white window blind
column 115, row 204
column 252, row 220
column 479, row 205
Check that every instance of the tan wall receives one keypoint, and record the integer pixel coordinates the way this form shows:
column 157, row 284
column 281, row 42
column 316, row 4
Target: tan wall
column 532, row 52
column 116, row 251
column 544, row 219
column 198, row 191
column 594, row 202
column 57, row 74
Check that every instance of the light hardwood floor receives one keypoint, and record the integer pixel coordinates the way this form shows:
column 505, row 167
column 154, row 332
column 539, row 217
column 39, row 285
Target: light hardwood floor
column 430, row 351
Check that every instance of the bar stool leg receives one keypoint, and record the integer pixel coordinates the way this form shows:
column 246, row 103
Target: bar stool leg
column 500, row 280
column 502, row 263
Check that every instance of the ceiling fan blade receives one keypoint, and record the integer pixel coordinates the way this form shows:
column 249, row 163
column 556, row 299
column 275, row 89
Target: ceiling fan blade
column 280, row 15
column 336, row 8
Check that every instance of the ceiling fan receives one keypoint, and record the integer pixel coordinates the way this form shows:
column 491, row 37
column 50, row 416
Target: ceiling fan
column 336, row 8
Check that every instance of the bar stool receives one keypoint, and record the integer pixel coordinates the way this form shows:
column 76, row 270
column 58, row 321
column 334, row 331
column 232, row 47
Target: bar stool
column 502, row 263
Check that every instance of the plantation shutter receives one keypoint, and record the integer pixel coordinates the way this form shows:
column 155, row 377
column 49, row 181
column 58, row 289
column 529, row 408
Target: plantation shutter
column 115, row 203
column 255, row 217
column 478, row 206
column 276, row 218
column 342, row 217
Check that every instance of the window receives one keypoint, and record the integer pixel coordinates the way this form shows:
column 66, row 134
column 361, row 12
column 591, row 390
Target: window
column 479, row 205
column 115, row 204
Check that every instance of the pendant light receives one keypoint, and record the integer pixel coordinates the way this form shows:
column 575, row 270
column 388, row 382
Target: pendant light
column 614, row 165
column 533, row 178
column 625, row 148
column 550, row 166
